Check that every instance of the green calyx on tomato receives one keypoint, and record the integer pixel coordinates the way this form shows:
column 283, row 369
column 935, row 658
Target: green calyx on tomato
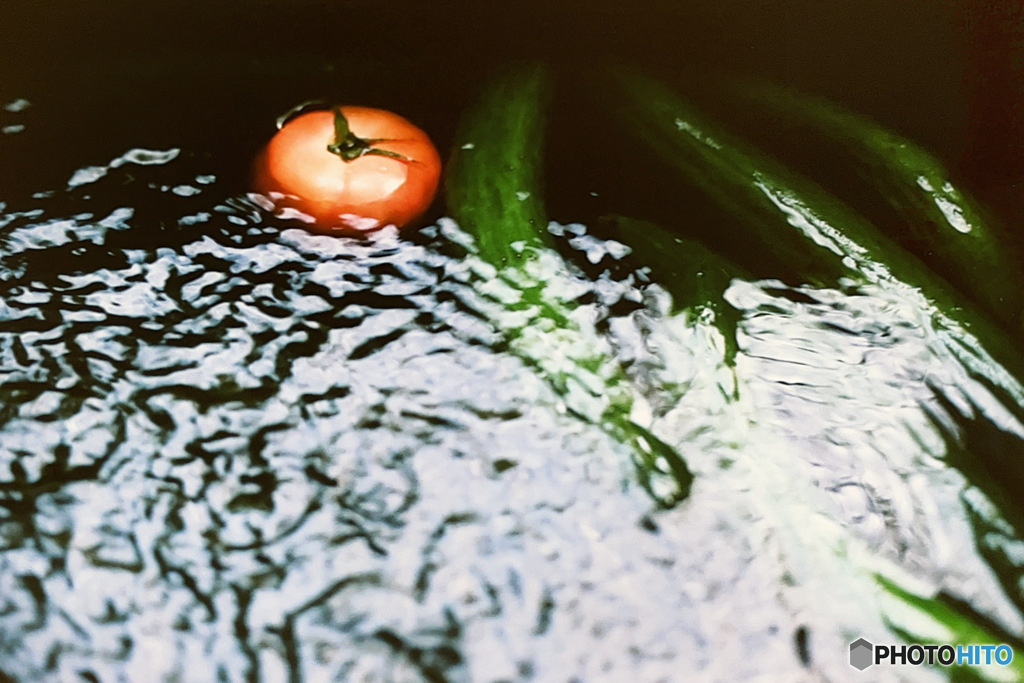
column 350, row 147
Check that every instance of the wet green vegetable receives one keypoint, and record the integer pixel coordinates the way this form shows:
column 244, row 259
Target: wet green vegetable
column 493, row 190
column 964, row 627
column 937, row 218
column 823, row 241
column 495, row 178
column 693, row 274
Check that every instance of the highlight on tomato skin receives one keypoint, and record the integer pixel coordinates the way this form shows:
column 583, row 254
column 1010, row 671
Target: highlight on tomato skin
column 349, row 169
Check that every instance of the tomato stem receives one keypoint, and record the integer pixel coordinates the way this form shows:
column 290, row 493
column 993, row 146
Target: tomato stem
column 350, row 147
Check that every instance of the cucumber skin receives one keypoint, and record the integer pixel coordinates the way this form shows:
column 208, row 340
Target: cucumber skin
column 503, row 133
column 940, row 219
column 821, row 239
column 494, row 180
column 693, row 274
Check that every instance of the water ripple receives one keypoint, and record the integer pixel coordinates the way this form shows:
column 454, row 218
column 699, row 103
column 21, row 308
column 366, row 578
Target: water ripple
column 232, row 449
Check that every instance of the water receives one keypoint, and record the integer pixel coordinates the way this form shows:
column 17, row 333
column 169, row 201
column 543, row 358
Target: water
column 259, row 454
column 232, row 450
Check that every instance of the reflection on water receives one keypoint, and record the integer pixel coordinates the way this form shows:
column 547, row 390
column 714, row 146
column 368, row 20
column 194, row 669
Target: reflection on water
column 232, row 451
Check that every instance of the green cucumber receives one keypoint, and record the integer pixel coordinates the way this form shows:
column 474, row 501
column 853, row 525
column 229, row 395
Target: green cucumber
column 821, row 239
column 963, row 626
column 742, row 182
column 693, row 274
column 494, row 191
column 755, row 188
column 941, row 221
column 494, row 181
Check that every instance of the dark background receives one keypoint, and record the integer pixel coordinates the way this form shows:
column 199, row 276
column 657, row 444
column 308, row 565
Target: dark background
column 944, row 74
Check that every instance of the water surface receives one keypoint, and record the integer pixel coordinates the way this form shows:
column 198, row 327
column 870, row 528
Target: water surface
column 232, row 450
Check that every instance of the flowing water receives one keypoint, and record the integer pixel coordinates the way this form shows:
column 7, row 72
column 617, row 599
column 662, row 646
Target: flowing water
column 233, row 450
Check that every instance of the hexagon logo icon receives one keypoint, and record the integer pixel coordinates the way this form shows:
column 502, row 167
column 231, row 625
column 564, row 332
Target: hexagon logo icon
column 861, row 652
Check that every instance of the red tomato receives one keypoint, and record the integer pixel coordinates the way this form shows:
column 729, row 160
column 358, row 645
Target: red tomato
column 352, row 168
